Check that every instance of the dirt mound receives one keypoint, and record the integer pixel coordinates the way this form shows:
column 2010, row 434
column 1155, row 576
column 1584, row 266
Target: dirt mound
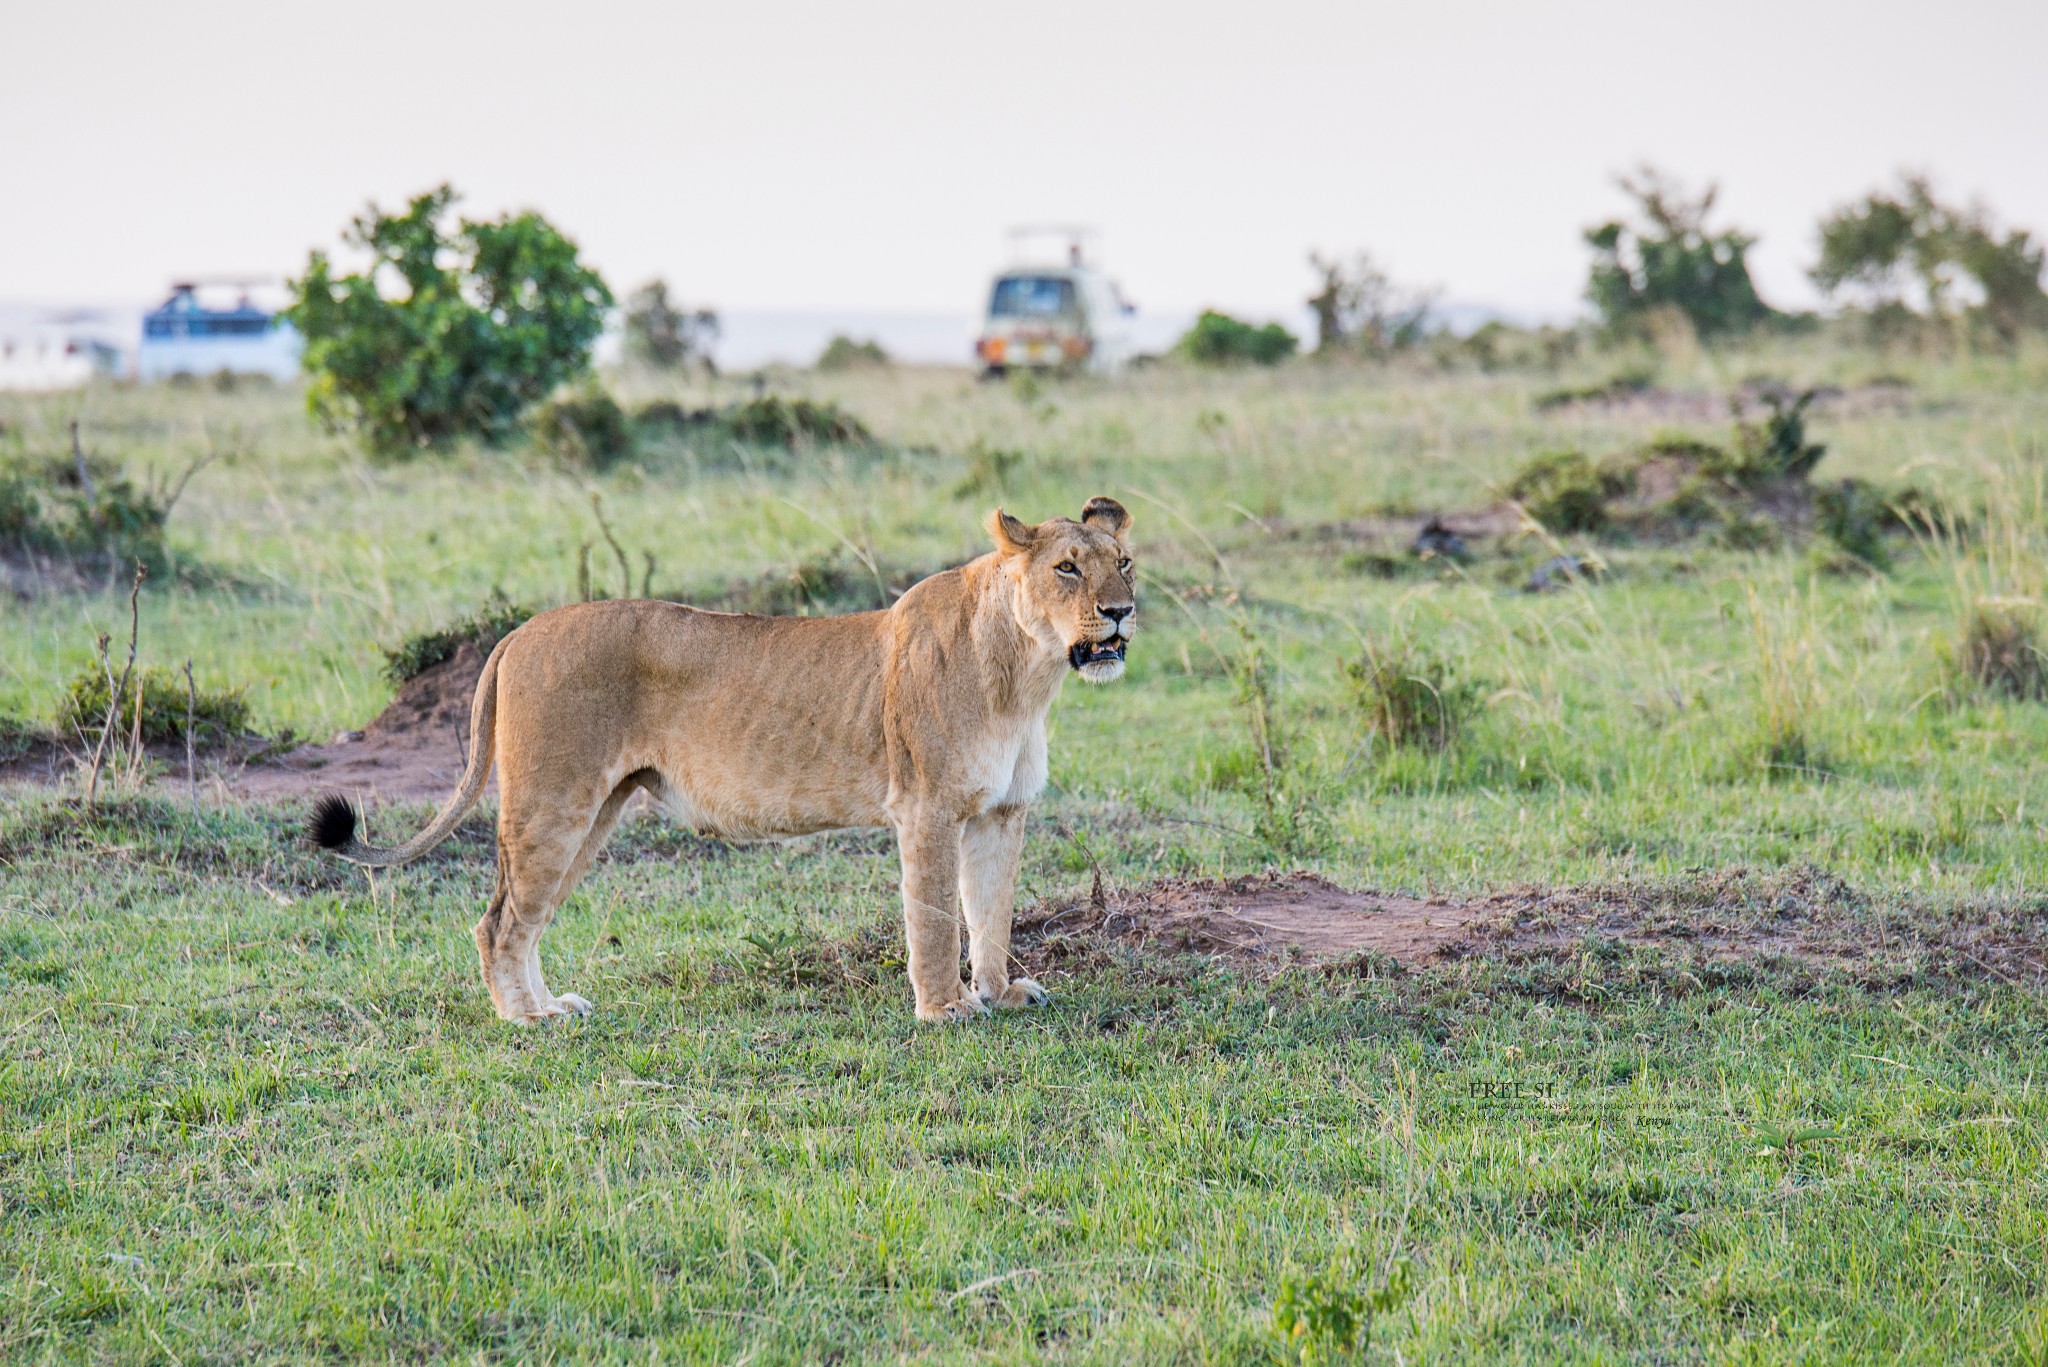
column 1735, row 923
column 1268, row 919
column 1796, row 926
column 414, row 751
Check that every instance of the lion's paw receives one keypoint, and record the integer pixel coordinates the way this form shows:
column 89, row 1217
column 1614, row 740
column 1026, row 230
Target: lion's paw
column 962, row 1008
column 574, row 1005
column 1019, row 992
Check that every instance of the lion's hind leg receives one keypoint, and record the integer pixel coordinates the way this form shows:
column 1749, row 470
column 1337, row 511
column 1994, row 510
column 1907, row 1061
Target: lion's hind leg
column 600, row 831
column 542, row 850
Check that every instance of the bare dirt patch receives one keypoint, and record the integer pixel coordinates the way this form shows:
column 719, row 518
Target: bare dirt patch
column 1262, row 919
column 1795, row 926
column 414, row 751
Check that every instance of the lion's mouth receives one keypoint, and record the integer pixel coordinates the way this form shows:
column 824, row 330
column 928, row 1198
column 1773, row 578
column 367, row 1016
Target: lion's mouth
column 1084, row 653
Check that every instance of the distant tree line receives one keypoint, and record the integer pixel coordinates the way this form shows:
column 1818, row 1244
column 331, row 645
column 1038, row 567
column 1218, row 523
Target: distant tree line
column 1899, row 264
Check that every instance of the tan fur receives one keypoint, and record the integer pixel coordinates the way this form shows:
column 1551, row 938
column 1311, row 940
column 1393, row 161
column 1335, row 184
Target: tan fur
column 928, row 717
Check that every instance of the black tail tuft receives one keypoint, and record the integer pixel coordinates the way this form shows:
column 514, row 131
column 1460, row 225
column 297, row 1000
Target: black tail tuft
column 332, row 824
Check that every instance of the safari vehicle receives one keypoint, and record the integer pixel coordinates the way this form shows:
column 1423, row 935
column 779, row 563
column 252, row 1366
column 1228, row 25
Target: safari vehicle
column 1054, row 317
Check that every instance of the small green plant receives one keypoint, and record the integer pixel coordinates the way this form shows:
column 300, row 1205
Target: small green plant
column 17, row 737
column 1410, row 697
column 2002, row 651
column 1787, row 680
column 485, row 627
column 1775, row 449
column 159, row 700
column 844, row 353
column 1218, row 339
column 1621, row 385
column 1568, row 491
column 1322, row 1317
column 583, row 428
column 1854, row 515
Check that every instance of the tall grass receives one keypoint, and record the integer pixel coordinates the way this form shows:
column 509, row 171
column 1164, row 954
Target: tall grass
column 1996, row 559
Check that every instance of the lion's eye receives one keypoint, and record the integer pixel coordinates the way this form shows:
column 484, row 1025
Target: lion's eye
column 1066, row 567
column 1124, row 564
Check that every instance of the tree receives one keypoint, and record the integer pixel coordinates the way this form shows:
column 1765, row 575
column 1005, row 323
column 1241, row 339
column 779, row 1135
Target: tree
column 1667, row 259
column 1360, row 307
column 447, row 333
column 661, row 335
column 1909, row 251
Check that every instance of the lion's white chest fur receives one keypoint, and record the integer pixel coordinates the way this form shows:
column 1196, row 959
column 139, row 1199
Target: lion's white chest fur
column 1007, row 767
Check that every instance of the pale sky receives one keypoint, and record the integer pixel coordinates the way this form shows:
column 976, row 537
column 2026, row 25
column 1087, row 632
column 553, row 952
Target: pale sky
column 870, row 156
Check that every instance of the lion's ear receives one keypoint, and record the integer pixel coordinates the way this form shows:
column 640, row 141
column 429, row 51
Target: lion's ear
column 1106, row 514
column 1012, row 537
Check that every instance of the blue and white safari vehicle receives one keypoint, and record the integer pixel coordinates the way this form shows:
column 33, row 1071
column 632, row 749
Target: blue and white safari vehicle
column 183, row 336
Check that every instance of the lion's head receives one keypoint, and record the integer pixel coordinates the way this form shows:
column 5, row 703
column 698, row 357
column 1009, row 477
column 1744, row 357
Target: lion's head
column 1076, row 583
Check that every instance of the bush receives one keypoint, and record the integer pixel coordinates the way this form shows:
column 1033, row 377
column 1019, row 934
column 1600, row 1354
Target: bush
column 661, row 335
column 1854, row 515
column 116, row 523
column 1667, row 260
column 584, row 428
column 843, row 353
column 2002, row 652
column 217, row 715
column 774, row 421
column 1218, row 339
column 1886, row 244
column 491, row 318
column 486, row 626
column 1411, row 698
column 1618, row 386
column 1775, row 449
column 1567, row 491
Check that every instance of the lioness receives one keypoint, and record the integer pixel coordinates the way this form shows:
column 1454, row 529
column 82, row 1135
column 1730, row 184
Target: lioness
column 928, row 717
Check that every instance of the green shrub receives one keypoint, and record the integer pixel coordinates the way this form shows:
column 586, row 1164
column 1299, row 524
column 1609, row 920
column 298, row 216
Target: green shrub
column 2001, row 650
column 1409, row 697
column 485, row 627
column 1666, row 260
column 1324, row 1318
column 16, row 736
column 1618, row 386
column 1568, row 491
column 844, row 353
column 217, row 714
column 1775, row 449
column 774, row 421
column 490, row 318
column 584, row 428
column 42, row 512
column 1854, row 515
column 661, row 334
column 1218, row 339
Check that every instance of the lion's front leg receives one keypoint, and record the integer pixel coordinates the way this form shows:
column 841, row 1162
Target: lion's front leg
column 990, row 848
column 931, row 920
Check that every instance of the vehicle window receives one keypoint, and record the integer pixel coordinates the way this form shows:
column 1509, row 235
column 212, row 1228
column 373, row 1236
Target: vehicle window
column 1032, row 296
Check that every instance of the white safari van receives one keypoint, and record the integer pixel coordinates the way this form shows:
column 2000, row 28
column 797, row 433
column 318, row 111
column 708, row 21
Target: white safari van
column 1066, row 317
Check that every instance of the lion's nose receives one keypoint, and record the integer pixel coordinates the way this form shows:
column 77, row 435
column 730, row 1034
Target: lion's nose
column 1117, row 614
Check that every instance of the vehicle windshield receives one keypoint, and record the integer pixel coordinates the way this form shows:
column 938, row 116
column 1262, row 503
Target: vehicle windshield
column 1032, row 296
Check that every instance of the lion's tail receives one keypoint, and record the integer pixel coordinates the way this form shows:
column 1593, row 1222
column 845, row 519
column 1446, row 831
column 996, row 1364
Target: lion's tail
column 333, row 821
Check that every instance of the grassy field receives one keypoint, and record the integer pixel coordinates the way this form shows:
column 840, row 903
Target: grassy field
column 258, row 1108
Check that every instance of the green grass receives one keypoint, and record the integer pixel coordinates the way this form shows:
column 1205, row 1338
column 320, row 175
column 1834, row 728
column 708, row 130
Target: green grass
column 257, row 1108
